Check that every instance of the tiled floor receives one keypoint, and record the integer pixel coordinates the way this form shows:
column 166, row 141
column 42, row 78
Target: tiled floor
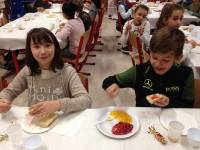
column 108, row 62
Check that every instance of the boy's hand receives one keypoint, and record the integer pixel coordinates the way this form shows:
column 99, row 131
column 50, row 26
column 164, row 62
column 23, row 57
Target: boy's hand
column 44, row 108
column 5, row 105
column 113, row 90
column 161, row 101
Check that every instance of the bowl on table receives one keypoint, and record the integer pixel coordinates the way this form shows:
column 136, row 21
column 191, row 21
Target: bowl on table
column 33, row 142
column 193, row 136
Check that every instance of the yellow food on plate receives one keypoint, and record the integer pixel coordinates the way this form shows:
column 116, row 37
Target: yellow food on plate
column 46, row 121
column 121, row 116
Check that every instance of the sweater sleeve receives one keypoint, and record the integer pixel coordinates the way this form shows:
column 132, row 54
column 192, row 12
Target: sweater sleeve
column 125, row 15
column 123, row 80
column 124, row 36
column 65, row 32
column 146, row 35
column 127, row 78
column 17, row 86
column 79, row 99
column 186, row 51
column 186, row 100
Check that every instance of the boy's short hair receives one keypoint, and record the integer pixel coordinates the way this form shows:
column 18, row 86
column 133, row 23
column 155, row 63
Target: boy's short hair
column 167, row 40
column 142, row 7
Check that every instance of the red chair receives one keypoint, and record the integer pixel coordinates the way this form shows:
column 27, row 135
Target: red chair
column 84, row 81
column 96, row 30
column 135, row 45
column 119, row 22
column 80, row 59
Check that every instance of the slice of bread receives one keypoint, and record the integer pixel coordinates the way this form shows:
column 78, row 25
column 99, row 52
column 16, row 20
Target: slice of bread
column 46, row 121
column 152, row 98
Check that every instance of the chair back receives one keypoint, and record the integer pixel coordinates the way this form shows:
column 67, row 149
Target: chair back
column 197, row 93
column 91, row 41
column 81, row 58
column 84, row 81
column 137, row 47
column 119, row 25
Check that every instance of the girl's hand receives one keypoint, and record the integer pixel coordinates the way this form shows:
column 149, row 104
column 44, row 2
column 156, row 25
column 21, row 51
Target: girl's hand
column 161, row 101
column 193, row 43
column 44, row 108
column 113, row 90
column 128, row 28
column 61, row 25
column 141, row 30
column 5, row 105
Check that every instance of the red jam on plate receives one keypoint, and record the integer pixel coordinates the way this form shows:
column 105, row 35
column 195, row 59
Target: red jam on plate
column 122, row 128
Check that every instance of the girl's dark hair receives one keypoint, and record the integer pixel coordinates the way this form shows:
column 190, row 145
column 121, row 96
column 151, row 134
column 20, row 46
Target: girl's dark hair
column 142, row 7
column 42, row 36
column 166, row 13
column 69, row 8
column 167, row 40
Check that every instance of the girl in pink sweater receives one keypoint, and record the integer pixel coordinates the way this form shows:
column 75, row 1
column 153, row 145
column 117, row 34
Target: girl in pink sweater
column 72, row 30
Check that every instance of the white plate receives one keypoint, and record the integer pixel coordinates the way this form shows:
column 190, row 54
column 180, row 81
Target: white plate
column 106, row 127
column 32, row 128
column 186, row 119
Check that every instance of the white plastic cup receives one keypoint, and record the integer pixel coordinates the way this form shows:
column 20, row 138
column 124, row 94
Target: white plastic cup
column 14, row 132
column 175, row 130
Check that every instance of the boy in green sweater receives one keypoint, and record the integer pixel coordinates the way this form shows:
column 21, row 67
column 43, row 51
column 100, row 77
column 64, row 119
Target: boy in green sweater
column 161, row 82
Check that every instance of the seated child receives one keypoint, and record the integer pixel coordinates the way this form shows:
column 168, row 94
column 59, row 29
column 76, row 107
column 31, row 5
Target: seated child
column 162, row 74
column 72, row 30
column 52, row 85
column 125, row 12
column 139, row 24
column 172, row 16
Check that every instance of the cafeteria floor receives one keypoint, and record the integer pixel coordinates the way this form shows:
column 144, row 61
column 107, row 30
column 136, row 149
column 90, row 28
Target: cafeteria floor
column 108, row 62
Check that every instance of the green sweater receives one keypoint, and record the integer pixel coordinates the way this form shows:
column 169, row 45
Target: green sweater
column 177, row 84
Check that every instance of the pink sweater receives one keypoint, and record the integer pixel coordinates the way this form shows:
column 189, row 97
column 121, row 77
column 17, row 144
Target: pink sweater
column 72, row 32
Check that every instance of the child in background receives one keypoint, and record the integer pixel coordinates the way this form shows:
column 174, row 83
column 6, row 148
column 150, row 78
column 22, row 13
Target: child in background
column 172, row 16
column 162, row 74
column 52, row 85
column 194, row 8
column 125, row 12
column 83, row 13
column 140, row 25
column 37, row 5
column 72, row 30
column 112, row 9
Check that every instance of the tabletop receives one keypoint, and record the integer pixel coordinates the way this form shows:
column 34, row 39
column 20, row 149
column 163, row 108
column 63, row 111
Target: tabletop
column 13, row 34
column 78, row 130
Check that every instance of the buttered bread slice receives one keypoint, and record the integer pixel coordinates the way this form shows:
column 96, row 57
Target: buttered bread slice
column 46, row 121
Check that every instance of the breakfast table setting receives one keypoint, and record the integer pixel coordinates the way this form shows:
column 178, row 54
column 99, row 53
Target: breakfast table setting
column 97, row 129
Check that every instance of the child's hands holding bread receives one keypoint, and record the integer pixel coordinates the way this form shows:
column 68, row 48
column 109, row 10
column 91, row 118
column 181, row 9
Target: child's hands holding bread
column 158, row 99
column 44, row 108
